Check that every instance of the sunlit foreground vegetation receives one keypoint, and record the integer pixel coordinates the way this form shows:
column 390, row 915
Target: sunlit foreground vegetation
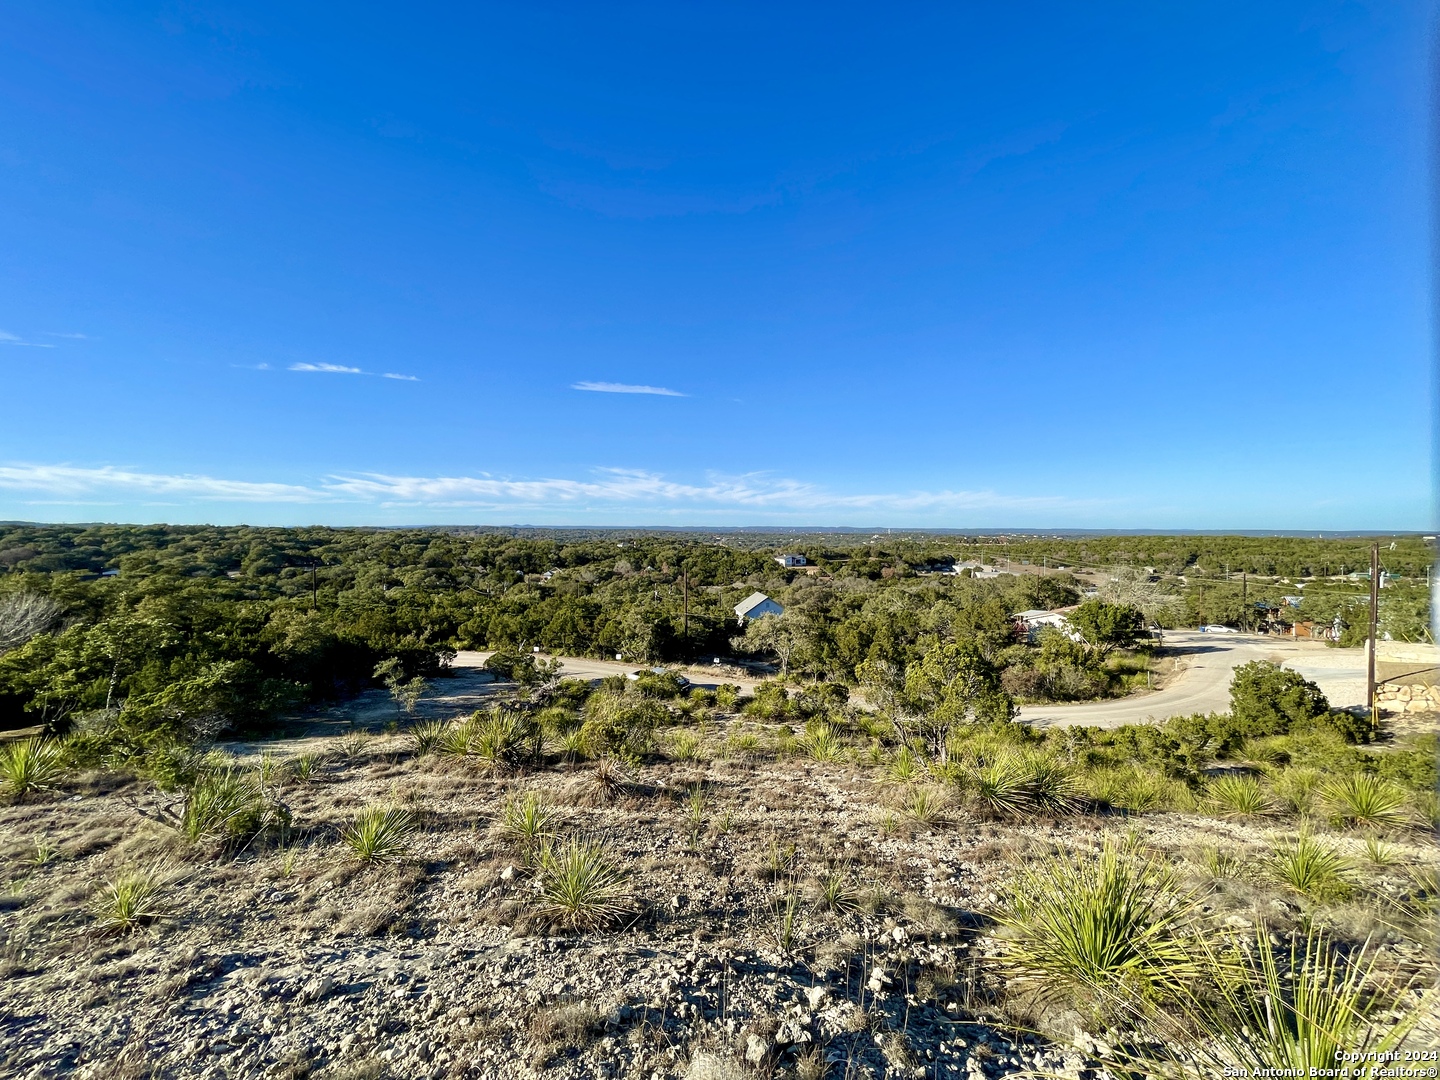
column 1245, row 889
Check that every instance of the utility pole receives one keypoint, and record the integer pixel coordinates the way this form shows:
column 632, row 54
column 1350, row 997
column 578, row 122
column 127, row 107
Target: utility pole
column 1374, row 619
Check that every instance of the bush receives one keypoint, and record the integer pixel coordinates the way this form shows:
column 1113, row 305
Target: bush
column 528, row 823
column 1310, row 868
column 1238, row 796
column 618, row 724
column 1267, row 699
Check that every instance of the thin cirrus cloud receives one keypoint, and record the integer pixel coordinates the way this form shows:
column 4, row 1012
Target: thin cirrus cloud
column 11, row 339
column 625, row 388
column 754, row 493
column 341, row 369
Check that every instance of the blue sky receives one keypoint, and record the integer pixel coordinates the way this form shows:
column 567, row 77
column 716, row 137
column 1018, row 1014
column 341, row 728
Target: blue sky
column 1142, row 265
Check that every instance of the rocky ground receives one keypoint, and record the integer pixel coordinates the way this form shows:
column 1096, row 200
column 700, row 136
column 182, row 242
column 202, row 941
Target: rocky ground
column 294, row 959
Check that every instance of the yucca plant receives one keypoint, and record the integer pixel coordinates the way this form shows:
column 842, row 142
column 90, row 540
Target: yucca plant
column 822, row 742
column 904, row 767
column 1297, row 788
column 1102, row 929
column 1221, row 864
column 307, row 768
column 785, row 911
column 580, row 884
column 1379, row 853
column 1294, row 1008
column 425, row 736
column 528, row 824
column 685, row 746
column 836, row 893
column 228, row 805
column 380, row 833
column 926, row 806
column 29, row 765
column 130, row 900
column 1002, row 788
column 1312, row 869
column 505, row 739
column 1238, row 797
column 1368, row 800
column 1052, row 786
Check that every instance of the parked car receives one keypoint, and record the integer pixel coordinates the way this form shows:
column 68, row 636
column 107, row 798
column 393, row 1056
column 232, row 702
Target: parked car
column 1216, row 628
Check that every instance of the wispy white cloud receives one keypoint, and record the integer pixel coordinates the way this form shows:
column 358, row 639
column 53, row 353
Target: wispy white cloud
column 625, row 388
column 342, row 369
column 334, row 369
column 11, row 339
column 77, row 482
column 636, row 491
column 73, row 337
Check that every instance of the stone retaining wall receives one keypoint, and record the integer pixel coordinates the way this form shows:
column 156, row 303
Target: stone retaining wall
column 1408, row 698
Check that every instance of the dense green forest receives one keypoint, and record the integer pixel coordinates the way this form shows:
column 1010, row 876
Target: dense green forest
column 186, row 630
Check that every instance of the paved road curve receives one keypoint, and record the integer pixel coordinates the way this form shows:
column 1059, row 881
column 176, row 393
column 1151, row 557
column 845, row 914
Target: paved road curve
column 1204, row 684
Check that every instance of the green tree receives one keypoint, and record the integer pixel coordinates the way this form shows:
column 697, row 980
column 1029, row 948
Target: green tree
column 952, row 684
column 1105, row 626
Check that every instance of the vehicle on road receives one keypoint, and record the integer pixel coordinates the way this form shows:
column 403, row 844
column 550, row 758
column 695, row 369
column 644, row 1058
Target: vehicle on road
column 1215, row 628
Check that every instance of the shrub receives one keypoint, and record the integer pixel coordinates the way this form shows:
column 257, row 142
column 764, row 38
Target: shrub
column 1020, row 784
column 580, row 884
column 1296, row 788
column 1238, row 796
column 685, row 746
column 905, row 767
column 836, row 893
column 1267, row 699
column 1101, row 930
column 1310, row 868
column 29, row 765
column 1366, row 799
column 130, row 900
column 617, row 724
column 505, row 739
column 380, row 833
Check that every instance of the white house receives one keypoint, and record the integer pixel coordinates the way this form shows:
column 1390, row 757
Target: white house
column 788, row 561
column 755, row 605
column 1030, row 622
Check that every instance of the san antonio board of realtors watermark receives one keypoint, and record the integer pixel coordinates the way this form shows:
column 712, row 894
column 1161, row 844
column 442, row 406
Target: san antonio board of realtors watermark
column 1353, row 1065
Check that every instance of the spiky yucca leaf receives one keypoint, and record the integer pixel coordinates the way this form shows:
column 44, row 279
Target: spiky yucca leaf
column 30, row 765
column 1367, row 799
column 1238, row 796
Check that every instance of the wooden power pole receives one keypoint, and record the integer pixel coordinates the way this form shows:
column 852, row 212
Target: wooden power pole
column 1374, row 620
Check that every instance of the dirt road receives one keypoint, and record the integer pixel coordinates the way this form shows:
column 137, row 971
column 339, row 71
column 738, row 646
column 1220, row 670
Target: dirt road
column 1204, row 683
column 579, row 667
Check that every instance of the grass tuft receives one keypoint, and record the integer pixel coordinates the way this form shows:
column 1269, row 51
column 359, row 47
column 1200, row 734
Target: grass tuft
column 528, row 824
column 130, row 900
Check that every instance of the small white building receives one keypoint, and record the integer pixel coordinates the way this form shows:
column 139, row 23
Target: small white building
column 756, row 605
column 1031, row 622
column 788, row 561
